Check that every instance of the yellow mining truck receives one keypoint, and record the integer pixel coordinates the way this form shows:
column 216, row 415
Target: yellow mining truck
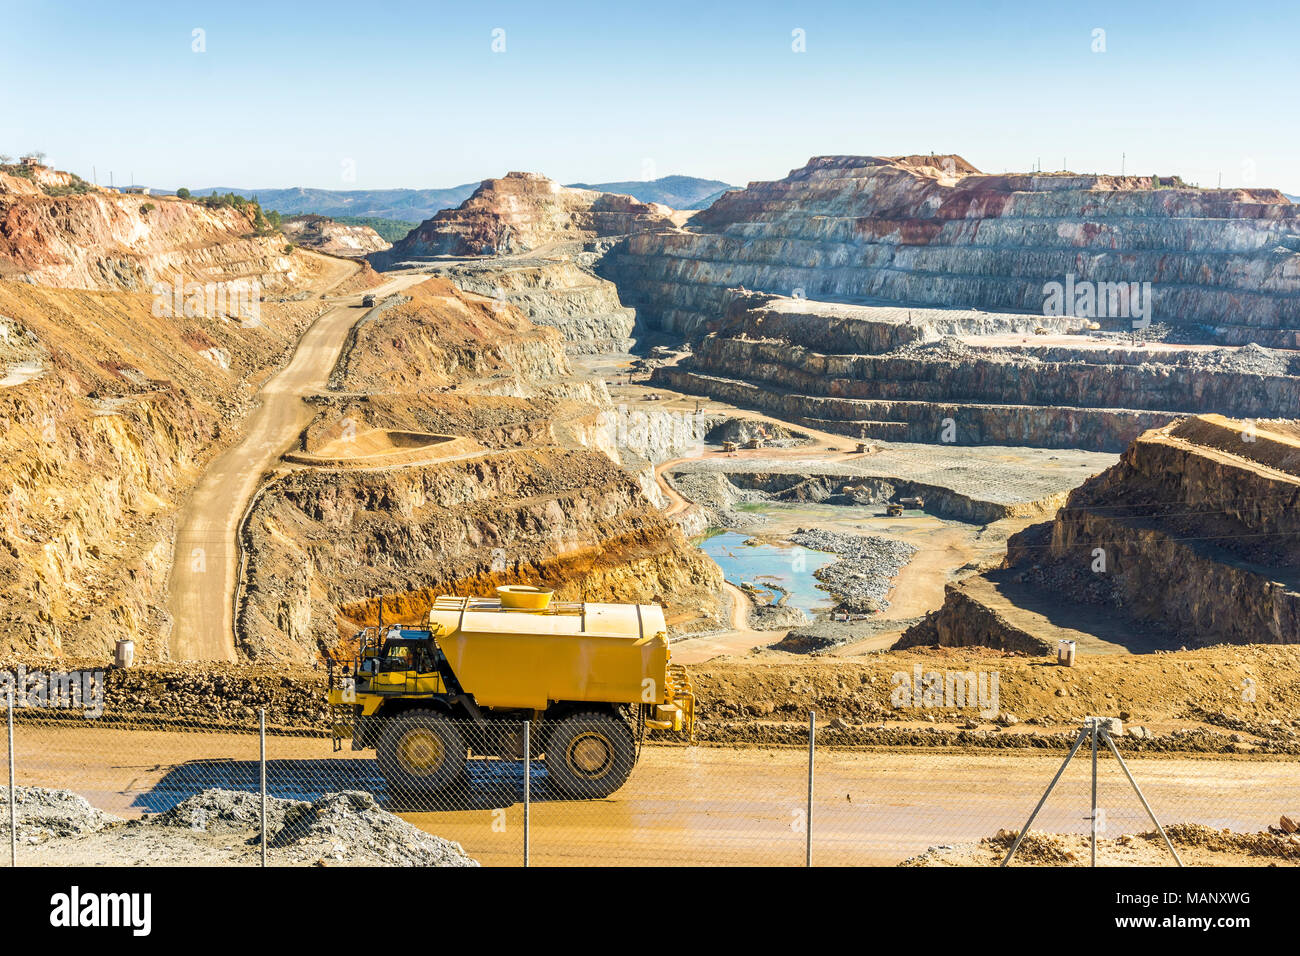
column 592, row 678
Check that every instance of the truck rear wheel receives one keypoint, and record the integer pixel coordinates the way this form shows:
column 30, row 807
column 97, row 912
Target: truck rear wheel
column 421, row 750
column 589, row 754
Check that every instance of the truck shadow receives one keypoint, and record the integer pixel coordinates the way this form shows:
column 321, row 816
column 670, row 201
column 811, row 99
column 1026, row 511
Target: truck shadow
column 488, row 784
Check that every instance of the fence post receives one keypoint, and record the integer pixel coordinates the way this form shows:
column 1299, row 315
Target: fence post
column 528, row 781
column 13, row 804
column 1093, row 816
column 262, row 722
column 812, row 749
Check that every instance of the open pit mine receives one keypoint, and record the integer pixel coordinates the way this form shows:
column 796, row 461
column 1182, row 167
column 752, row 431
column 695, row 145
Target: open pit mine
column 885, row 413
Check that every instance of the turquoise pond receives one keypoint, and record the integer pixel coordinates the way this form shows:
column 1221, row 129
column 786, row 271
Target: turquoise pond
column 763, row 565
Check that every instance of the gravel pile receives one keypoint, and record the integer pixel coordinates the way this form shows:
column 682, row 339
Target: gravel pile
column 44, row 814
column 952, row 349
column 800, row 641
column 717, row 496
column 215, row 811
column 351, row 827
column 867, row 566
column 774, row 617
column 223, row 828
column 743, row 429
column 1250, row 359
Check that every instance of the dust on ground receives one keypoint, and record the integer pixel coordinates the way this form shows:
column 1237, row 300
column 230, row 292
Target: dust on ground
column 1196, row 845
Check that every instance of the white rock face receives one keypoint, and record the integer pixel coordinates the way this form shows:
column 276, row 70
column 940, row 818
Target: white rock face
column 333, row 238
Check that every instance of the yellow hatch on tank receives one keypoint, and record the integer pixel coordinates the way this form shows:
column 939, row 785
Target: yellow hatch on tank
column 529, row 656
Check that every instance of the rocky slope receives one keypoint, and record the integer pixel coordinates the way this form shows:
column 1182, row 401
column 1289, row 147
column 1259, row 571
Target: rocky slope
column 558, row 291
column 100, row 239
column 538, row 496
column 1190, row 539
column 333, row 238
column 523, row 211
column 1224, row 264
column 325, row 542
column 887, row 373
column 436, row 338
column 108, row 412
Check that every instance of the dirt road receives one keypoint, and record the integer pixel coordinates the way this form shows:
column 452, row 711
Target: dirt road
column 683, row 805
column 206, row 554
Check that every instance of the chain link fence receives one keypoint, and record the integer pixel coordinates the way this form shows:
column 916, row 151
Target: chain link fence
column 513, row 793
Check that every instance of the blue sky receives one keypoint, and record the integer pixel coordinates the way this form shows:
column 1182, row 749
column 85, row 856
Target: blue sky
column 359, row 96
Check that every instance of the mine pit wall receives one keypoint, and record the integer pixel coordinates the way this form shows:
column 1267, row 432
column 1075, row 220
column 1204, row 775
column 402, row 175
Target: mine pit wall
column 1076, row 399
column 939, row 501
column 1090, row 429
column 533, row 361
column 1165, row 569
column 435, row 339
column 1219, row 567
column 839, row 329
column 81, row 586
column 1191, row 477
column 1078, row 378
column 104, row 240
column 1191, row 586
column 638, row 439
column 557, row 293
column 574, row 520
column 1223, row 262
column 100, row 449
column 966, row 621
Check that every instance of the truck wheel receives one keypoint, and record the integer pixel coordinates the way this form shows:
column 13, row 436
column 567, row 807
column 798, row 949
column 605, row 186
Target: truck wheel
column 589, row 754
column 420, row 751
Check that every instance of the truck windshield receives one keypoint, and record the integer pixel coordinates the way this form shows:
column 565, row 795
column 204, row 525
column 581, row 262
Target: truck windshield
column 408, row 655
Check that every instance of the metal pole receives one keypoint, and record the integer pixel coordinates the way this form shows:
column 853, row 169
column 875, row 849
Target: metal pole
column 262, row 721
column 1068, row 757
column 528, row 780
column 812, row 750
column 13, row 799
column 1094, row 793
column 1138, row 790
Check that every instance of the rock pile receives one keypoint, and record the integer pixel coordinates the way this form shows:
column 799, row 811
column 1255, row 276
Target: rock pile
column 866, row 568
column 45, row 814
column 223, row 827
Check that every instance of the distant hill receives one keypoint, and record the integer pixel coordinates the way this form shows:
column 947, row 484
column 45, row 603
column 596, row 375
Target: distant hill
column 710, row 199
column 679, row 192
column 406, row 205
column 1295, row 199
column 417, row 205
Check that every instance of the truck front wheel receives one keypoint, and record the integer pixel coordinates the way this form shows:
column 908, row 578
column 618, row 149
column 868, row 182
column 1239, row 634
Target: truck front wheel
column 420, row 751
column 589, row 755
